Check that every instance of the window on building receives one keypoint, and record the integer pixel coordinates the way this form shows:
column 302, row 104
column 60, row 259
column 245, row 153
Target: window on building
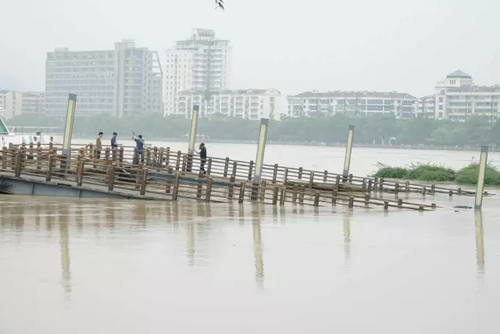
column 441, row 107
column 441, row 99
column 452, row 82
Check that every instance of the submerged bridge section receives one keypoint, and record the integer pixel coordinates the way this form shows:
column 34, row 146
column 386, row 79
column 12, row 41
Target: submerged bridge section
column 166, row 175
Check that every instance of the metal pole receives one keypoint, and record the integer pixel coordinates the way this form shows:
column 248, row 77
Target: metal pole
column 261, row 147
column 348, row 152
column 68, row 130
column 483, row 161
column 192, row 136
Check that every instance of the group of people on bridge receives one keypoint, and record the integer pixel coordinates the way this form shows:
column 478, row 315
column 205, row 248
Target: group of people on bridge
column 141, row 147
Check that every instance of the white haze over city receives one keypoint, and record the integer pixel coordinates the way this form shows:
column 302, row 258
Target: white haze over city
column 384, row 45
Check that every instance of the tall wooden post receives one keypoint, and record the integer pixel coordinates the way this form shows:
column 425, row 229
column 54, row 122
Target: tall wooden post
column 192, row 137
column 483, row 161
column 49, row 168
column 4, row 157
column 68, row 131
column 144, row 180
column 348, row 152
column 261, row 147
column 177, row 182
column 111, row 177
column 19, row 163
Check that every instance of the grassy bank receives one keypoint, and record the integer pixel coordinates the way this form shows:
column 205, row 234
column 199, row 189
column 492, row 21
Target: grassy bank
column 435, row 173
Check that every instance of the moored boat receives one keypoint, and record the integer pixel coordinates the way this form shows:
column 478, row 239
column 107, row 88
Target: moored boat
column 8, row 136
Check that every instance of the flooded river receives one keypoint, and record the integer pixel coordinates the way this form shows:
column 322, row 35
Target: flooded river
column 118, row 266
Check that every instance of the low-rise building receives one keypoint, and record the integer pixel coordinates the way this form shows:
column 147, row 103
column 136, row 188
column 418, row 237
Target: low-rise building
column 252, row 104
column 2, row 103
column 427, row 106
column 11, row 104
column 402, row 105
column 33, row 103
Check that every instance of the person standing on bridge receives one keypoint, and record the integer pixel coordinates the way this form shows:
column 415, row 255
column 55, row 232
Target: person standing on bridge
column 98, row 145
column 114, row 143
column 203, row 157
column 139, row 144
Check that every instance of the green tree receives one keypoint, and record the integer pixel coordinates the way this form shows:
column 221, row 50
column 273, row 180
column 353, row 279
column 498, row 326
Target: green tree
column 494, row 135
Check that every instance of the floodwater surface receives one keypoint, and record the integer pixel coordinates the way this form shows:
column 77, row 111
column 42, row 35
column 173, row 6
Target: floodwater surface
column 363, row 161
column 119, row 266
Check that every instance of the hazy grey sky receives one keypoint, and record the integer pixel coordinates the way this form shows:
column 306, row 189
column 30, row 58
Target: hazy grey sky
column 290, row 45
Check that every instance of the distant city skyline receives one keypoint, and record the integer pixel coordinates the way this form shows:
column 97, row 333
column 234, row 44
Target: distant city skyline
column 361, row 46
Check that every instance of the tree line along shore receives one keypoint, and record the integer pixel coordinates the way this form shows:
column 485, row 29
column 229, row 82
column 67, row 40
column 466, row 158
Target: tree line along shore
column 467, row 175
column 369, row 130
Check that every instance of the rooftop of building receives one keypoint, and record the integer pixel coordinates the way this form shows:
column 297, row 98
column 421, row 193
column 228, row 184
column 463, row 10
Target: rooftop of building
column 124, row 44
column 475, row 89
column 233, row 91
column 353, row 94
column 458, row 74
column 428, row 99
column 201, row 36
column 200, row 32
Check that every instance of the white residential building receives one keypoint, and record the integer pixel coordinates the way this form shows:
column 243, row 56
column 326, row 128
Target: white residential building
column 33, row 103
column 252, row 104
column 123, row 81
column 457, row 98
column 14, row 103
column 352, row 103
column 427, row 106
column 200, row 63
column 3, row 102
column 11, row 104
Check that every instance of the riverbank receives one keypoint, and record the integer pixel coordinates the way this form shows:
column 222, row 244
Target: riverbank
column 430, row 172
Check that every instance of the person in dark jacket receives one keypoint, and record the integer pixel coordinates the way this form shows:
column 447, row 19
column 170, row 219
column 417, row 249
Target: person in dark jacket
column 114, row 143
column 98, row 145
column 139, row 144
column 203, row 157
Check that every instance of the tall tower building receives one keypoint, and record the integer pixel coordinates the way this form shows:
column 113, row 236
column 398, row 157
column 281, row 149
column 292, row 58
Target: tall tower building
column 123, row 81
column 200, row 63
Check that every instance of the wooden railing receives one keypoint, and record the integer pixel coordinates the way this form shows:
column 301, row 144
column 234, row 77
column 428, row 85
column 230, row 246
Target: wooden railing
column 164, row 173
column 244, row 170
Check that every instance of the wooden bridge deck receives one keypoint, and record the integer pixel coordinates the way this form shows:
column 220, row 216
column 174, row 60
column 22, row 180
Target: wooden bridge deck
column 166, row 175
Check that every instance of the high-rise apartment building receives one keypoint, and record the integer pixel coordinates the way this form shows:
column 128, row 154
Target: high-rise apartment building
column 199, row 63
column 402, row 105
column 123, row 81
